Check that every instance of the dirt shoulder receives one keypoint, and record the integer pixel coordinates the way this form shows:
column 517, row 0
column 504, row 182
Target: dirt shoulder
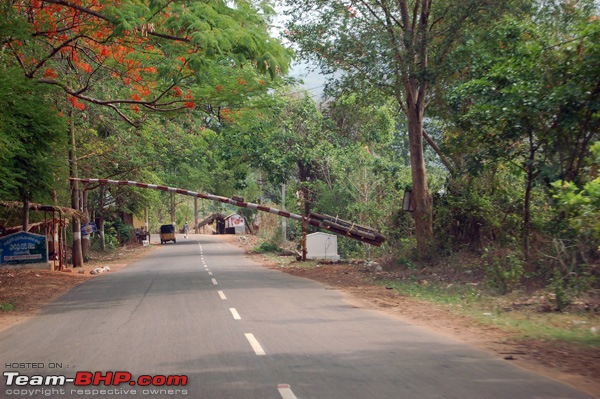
column 571, row 364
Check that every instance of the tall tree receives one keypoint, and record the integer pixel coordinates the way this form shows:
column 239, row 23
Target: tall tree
column 31, row 135
column 401, row 47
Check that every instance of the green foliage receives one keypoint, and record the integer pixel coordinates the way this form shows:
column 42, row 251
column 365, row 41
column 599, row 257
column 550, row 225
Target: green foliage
column 7, row 306
column 124, row 233
column 437, row 293
column 31, row 134
column 110, row 239
column 504, row 271
column 524, row 117
column 467, row 216
column 267, row 247
column 581, row 205
column 565, row 287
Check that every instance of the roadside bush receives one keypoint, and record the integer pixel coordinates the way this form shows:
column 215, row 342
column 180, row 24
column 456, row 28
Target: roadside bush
column 564, row 288
column 504, row 271
column 579, row 207
column 110, row 239
column 565, row 271
column 124, row 232
column 267, row 247
column 478, row 210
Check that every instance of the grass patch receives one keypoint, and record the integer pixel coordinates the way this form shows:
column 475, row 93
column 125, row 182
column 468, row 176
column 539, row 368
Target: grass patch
column 580, row 329
column 290, row 261
column 486, row 308
column 445, row 295
column 7, row 306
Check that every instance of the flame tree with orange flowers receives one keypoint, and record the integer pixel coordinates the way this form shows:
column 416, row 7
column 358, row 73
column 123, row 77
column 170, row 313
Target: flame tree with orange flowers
column 140, row 57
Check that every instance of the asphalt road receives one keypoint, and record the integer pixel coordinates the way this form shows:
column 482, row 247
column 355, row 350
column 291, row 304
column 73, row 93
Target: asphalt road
column 200, row 309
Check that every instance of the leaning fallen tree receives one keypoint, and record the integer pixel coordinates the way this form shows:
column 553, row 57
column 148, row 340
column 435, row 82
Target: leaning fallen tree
column 326, row 222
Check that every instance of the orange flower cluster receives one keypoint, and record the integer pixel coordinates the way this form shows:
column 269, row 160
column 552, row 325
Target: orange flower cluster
column 50, row 73
column 75, row 103
column 76, row 33
column 87, row 42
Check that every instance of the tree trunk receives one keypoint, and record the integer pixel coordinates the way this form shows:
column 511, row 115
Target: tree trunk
column 173, row 209
column 421, row 198
column 527, row 206
column 410, row 40
column 85, row 238
column 101, row 217
column 76, row 252
column 304, row 175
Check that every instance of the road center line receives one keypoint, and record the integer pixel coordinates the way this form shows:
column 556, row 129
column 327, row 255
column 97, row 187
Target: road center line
column 209, row 273
column 214, row 281
column 255, row 345
column 286, row 392
column 222, row 295
column 235, row 314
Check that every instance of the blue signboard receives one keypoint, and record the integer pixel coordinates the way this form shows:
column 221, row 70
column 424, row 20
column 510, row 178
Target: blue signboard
column 89, row 228
column 23, row 247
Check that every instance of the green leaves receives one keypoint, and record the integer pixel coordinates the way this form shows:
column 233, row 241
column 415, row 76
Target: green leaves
column 581, row 204
column 31, row 135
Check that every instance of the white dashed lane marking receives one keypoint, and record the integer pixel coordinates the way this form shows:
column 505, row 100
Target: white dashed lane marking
column 235, row 314
column 214, row 281
column 255, row 344
column 286, row 392
column 222, row 295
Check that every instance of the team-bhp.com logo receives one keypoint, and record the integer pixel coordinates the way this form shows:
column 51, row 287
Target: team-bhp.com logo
column 84, row 379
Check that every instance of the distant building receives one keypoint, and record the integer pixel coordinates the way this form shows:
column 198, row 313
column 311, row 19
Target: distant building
column 235, row 224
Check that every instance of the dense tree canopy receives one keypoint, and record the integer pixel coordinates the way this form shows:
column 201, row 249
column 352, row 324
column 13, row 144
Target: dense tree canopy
column 32, row 134
column 193, row 94
column 142, row 56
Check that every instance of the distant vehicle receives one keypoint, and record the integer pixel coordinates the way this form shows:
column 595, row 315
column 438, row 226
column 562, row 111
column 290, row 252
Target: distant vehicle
column 167, row 233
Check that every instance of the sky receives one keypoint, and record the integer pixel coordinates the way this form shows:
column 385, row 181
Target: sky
column 313, row 80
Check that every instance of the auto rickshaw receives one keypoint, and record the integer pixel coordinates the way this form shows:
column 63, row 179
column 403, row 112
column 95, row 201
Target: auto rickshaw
column 167, row 233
